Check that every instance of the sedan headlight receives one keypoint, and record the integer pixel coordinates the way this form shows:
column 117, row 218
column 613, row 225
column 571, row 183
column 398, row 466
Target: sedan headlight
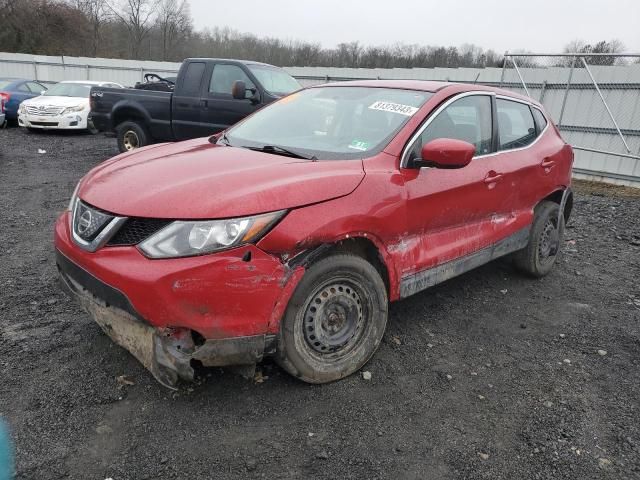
column 77, row 108
column 188, row 238
column 22, row 109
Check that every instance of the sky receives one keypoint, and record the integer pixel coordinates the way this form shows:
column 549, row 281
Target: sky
column 543, row 26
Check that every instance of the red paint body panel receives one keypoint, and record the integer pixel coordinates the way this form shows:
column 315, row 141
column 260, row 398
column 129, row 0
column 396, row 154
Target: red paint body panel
column 416, row 218
column 219, row 296
column 199, row 180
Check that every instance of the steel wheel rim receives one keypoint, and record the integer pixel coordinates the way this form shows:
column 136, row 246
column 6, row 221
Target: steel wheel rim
column 131, row 140
column 545, row 244
column 334, row 319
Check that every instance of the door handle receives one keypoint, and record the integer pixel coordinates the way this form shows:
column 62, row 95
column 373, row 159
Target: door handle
column 492, row 177
column 547, row 163
column 205, row 103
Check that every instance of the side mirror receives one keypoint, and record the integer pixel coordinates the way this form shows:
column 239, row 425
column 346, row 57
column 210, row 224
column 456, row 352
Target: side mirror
column 43, row 92
column 447, row 153
column 239, row 90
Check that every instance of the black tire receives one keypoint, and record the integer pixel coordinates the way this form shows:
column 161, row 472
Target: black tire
column 545, row 241
column 347, row 326
column 131, row 135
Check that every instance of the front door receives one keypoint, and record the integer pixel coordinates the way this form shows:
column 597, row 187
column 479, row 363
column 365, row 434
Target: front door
column 454, row 213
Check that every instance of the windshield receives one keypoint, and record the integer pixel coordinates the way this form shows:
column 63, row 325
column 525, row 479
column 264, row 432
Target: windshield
column 330, row 122
column 275, row 80
column 69, row 90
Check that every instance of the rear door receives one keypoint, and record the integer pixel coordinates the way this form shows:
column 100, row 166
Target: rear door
column 521, row 159
column 221, row 109
column 452, row 213
column 186, row 104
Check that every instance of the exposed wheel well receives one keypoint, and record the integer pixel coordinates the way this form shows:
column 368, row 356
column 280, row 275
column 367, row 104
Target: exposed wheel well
column 361, row 246
column 557, row 198
column 125, row 113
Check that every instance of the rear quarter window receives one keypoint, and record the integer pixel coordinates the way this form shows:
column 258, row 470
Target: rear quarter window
column 192, row 79
column 516, row 127
column 541, row 121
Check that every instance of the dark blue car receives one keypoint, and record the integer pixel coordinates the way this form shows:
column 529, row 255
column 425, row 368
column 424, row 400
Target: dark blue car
column 15, row 90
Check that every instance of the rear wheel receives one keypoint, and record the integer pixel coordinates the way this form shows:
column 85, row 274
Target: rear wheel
column 335, row 320
column 545, row 240
column 131, row 135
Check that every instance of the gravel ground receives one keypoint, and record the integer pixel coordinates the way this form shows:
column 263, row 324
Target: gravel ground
column 488, row 376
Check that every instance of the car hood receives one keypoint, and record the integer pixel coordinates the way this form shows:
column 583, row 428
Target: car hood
column 198, row 180
column 57, row 101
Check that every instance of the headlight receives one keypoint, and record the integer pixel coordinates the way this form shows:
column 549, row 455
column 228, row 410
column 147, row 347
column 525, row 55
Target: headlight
column 77, row 108
column 22, row 108
column 184, row 239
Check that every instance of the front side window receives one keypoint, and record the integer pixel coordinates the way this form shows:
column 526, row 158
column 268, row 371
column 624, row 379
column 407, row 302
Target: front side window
column 515, row 124
column 331, row 122
column 224, row 76
column 36, row 87
column 467, row 119
column 275, row 80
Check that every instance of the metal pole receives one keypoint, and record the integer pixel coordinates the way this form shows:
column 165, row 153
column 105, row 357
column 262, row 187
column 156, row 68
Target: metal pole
column 35, row 70
column 566, row 91
column 513, row 60
column 542, row 90
column 605, row 104
column 606, row 152
column 504, row 66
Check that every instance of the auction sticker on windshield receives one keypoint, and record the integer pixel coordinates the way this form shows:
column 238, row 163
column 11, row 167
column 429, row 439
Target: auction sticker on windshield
column 407, row 110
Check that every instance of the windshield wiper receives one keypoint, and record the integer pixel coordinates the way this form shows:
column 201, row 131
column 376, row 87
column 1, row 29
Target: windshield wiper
column 276, row 150
column 222, row 139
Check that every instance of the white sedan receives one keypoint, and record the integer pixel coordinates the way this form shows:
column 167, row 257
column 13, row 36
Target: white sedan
column 63, row 106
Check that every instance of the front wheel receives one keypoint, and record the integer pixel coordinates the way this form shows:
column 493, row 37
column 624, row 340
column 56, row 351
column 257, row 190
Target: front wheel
column 539, row 256
column 335, row 320
column 131, row 135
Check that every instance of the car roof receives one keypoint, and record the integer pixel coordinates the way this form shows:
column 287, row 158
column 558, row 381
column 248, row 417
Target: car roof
column 86, row 82
column 231, row 60
column 429, row 86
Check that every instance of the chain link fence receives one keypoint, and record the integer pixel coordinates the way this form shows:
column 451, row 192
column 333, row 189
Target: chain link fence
column 594, row 99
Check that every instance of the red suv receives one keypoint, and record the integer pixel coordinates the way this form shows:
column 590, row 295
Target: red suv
column 288, row 234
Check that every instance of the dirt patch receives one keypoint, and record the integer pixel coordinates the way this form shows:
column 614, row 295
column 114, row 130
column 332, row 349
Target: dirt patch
column 488, row 376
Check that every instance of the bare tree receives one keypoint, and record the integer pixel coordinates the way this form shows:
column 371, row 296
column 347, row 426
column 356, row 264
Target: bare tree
column 174, row 24
column 97, row 13
column 137, row 16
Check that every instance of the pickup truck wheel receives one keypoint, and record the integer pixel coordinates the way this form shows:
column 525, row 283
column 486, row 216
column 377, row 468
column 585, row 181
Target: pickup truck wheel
column 545, row 241
column 335, row 320
column 131, row 135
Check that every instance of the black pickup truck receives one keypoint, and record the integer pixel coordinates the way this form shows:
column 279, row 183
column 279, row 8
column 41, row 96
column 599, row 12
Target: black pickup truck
column 209, row 96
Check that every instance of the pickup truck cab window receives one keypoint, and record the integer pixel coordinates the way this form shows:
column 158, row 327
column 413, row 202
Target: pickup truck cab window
column 515, row 122
column 224, row 76
column 467, row 119
column 193, row 79
column 330, row 123
column 274, row 80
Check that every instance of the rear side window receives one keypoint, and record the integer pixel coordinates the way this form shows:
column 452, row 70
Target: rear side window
column 541, row 122
column 468, row 119
column 193, row 79
column 515, row 124
column 24, row 88
column 36, row 87
column 224, row 76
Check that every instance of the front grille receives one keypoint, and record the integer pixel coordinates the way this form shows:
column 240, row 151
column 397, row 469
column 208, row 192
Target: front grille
column 45, row 124
column 135, row 230
column 88, row 221
column 44, row 111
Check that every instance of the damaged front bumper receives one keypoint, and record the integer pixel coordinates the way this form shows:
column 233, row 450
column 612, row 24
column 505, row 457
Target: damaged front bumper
column 168, row 353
